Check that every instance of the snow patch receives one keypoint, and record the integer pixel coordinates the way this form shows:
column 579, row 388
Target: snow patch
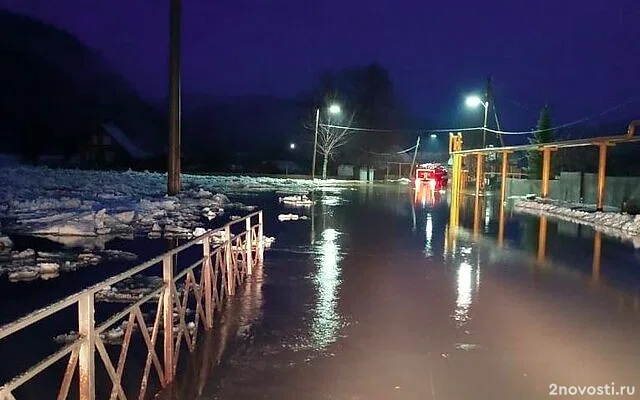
column 617, row 224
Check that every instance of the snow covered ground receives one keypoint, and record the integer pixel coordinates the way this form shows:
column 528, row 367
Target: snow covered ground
column 613, row 223
column 86, row 209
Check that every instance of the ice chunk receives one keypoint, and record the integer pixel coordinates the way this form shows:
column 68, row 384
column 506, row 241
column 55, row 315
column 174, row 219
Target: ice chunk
column 288, row 217
column 22, row 275
column 199, row 232
column 5, row 242
column 268, row 241
column 297, row 200
column 49, row 268
column 28, row 253
column 125, row 217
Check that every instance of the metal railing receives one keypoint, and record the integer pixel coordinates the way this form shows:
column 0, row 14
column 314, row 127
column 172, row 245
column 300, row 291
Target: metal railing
column 227, row 259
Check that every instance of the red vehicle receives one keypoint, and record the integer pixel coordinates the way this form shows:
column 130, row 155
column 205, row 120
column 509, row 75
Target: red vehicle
column 432, row 175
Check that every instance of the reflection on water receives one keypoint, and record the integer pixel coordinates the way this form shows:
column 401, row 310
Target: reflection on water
column 326, row 321
column 464, row 298
column 553, row 246
column 237, row 317
column 428, row 249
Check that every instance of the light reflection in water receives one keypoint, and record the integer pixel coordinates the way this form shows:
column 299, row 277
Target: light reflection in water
column 429, row 235
column 326, row 321
column 464, row 299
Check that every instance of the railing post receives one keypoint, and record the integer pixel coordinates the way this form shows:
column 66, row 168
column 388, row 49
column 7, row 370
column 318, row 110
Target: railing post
column 260, row 248
column 208, row 284
column 248, row 243
column 86, row 330
column 228, row 259
column 167, row 277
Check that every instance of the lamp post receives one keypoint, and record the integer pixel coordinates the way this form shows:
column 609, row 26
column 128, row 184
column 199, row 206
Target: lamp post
column 333, row 109
column 473, row 102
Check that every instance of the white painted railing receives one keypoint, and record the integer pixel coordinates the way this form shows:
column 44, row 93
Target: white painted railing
column 227, row 259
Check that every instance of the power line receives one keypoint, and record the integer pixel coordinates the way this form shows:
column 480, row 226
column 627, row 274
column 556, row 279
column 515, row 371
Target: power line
column 390, row 154
column 608, row 110
column 421, row 131
column 416, row 131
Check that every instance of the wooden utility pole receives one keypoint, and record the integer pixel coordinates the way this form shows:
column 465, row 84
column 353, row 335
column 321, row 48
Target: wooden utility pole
column 173, row 170
column 492, row 102
column 415, row 153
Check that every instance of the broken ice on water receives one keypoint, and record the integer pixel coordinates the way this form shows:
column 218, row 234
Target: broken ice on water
column 28, row 265
column 80, row 203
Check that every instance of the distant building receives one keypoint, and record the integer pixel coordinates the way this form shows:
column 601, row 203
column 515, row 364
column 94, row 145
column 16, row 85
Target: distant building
column 110, row 147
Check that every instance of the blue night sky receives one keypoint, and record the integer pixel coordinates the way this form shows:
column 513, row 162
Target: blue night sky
column 580, row 56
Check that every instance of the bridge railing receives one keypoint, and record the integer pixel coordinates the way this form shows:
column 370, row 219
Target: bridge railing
column 226, row 260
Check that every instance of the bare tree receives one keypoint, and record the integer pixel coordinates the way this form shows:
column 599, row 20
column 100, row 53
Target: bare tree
column 330, row 139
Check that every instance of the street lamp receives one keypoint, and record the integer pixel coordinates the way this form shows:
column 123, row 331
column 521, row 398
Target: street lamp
column 292, row 146
column 333, row 109
column 473, row 102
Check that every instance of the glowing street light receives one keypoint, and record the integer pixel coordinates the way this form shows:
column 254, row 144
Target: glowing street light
column 433, row 136
column 473, row 102
column 292, row 146
column 333, row 109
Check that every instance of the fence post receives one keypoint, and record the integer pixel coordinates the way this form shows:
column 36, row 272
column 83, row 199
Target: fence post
column 167, row 277
column 248, row 243
column 228, row 259
column 260, row 247
column 86, row 330
column 208, row 284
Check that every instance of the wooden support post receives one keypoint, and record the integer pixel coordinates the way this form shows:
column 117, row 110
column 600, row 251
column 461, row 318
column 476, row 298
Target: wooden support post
column 167, row 309
column 597, row 252
column 602, row 174
column 228, row 260
column 208, row 283
column 546, row 171
column 260, row 237
column 249, row 251
column 479, row 173
column 86, row 330
column 503, row 183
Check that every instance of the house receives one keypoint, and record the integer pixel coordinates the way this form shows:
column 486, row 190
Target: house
column 110, row 147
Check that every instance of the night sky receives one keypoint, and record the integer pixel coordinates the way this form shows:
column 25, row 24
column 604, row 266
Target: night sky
column 580, row 56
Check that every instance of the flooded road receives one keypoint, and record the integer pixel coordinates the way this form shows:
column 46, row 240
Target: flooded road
column 377, row 296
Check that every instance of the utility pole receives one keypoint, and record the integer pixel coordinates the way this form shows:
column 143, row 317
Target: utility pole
column 415, row 153
column 173, row 170
column 491, row 100
column 315, row 146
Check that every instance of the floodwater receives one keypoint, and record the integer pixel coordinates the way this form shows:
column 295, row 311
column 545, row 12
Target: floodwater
column 378, row 296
